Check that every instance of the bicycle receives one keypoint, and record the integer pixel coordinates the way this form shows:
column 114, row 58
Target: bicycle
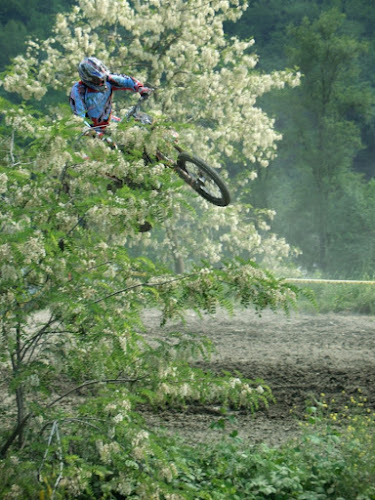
column 193, row 170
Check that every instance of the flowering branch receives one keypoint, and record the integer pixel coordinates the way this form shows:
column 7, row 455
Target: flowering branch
column 93, row 382
column 149, row 285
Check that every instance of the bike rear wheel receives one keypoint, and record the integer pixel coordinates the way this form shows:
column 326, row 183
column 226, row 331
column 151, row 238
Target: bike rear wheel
column 203, row 179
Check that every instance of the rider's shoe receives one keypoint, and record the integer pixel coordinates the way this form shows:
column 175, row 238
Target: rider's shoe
column 143, row 228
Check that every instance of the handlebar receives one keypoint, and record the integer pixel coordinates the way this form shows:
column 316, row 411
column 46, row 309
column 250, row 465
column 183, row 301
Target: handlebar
column 134, row 110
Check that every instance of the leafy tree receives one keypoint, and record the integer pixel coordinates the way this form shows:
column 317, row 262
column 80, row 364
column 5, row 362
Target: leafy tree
column 323, row 136
column 71, row 293
column 25, row 18
column 267, row 22
column 13, row 33
column 70, row 303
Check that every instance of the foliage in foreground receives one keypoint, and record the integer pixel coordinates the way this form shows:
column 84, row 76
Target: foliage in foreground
column 75, row 365
column 332, row 459
column 328, row 461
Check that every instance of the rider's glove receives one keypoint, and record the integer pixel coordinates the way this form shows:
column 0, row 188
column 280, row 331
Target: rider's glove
column 145, row 92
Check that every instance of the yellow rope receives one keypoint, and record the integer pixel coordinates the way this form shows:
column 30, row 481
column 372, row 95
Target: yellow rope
column 336, row 282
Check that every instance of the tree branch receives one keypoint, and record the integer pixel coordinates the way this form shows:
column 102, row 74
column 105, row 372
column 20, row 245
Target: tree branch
column 29, row 343
column 149, row 285
column 11, row 149
column 20, row 426
column 93, row 382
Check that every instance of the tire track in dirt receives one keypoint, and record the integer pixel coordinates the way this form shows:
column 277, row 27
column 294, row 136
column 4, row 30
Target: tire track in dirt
column 300, row 357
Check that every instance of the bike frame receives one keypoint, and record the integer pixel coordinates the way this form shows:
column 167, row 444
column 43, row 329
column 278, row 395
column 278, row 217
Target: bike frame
column 196, row 181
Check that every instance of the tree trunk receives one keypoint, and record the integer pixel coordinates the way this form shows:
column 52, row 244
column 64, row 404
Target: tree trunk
column 20, row 396
column 179, row 266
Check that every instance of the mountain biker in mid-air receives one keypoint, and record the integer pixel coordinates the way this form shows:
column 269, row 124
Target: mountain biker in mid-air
column 91, row 97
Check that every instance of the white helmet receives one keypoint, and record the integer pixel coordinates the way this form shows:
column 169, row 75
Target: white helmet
column 93, row 73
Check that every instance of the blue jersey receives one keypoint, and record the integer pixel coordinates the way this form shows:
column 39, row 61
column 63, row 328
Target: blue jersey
column 96, row 105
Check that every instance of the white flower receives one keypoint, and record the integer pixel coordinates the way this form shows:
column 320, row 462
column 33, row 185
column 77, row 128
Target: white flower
column 34, row 380
column 118, row 418
column 140, row 437
column 8, row 273
column 14, row 460
column 3, row 183
column 233, row 382
column 167, row 474
column 126, row 404
column 110, row 407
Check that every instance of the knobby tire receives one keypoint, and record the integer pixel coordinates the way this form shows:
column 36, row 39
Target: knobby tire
column 198, row 180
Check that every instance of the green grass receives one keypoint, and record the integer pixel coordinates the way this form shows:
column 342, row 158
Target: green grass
column 356, row 299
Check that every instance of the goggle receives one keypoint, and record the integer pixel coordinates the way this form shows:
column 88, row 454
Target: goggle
column 98, row 80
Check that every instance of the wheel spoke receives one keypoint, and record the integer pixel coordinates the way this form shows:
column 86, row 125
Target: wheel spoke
column 201, row 180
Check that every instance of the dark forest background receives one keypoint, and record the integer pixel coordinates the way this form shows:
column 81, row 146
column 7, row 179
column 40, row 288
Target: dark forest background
column 322, row 183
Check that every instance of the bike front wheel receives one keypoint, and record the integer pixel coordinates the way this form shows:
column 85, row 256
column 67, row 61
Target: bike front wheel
column 203, row 179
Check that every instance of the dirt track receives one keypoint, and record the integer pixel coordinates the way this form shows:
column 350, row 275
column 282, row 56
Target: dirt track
column 299, row 357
